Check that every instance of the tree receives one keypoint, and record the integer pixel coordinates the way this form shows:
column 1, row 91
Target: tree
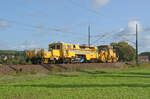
column 145, row 54
column 125, row 51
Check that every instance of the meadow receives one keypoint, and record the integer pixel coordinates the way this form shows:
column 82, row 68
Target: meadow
column 112, row 83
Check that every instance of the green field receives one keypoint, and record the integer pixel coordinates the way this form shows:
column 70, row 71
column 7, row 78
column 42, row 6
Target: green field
column 132, row 83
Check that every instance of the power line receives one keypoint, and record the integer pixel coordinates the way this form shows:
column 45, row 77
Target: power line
column 16, row 22
column 38, row 26
column 101, row 36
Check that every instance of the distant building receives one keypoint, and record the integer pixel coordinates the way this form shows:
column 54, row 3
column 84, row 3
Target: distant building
column 144, row 58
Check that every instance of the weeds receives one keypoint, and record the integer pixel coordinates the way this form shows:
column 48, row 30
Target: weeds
column 33, row 71
column 55, row 69
column 95, row 84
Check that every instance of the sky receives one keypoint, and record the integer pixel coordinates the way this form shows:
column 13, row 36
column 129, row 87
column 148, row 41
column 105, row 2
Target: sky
column 27, row 24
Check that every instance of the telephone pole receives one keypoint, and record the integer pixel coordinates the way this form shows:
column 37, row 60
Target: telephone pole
column 137, row 61
column 89, row 35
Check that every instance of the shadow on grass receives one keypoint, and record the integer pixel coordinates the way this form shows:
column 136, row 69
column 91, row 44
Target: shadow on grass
column 135, row 73
column 64, row 75
column 126, row 76
column 92, row 72
column 102, row 75
column 81, row 85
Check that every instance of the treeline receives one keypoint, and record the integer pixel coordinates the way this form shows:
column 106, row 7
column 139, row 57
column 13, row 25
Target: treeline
column 126, row 52
column 12, row 52
column 10, row 57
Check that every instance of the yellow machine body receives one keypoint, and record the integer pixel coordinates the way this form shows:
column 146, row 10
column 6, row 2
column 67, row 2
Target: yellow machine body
column 31, row 53
column 107, row 54
column 70, row 53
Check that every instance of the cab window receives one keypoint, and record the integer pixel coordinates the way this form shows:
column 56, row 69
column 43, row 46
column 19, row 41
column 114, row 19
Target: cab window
column 58, row 47
column 52, row 47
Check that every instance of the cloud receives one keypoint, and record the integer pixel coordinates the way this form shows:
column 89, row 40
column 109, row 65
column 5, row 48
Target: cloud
column 129, row 34
column 63, row 28
column 99, row 3
column 28, row 44
column 144, row 43
column 4, row 24
column 131, row 28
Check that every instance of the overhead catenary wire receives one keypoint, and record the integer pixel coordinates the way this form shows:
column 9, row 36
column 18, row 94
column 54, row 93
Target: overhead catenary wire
column 102, row 35
column 39, row 26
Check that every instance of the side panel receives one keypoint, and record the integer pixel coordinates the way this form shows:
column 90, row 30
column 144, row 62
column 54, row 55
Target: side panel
column 74, row 50
column 56, row 53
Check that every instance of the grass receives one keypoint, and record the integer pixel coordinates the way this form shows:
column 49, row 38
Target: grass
column 131, row 83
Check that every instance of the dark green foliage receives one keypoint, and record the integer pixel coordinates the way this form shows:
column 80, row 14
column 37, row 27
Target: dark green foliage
column 125, row 51
column 145, row 54
column 13, row 57
column 1, row 60
column 12, row 52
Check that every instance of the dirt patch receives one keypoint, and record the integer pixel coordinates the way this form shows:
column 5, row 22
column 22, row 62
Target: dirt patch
column 7, row 69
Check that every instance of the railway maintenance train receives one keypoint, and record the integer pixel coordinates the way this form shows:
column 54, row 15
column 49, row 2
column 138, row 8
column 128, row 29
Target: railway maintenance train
column 70, row 53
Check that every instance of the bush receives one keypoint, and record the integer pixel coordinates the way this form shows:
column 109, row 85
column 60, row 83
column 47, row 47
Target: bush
column 125, row 51
column 15, row 60
column 1, row 60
